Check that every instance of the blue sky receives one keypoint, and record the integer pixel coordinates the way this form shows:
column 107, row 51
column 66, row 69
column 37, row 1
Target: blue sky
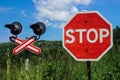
column 54, row 13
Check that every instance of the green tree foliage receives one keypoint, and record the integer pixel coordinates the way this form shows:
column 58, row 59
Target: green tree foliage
column 116, row 33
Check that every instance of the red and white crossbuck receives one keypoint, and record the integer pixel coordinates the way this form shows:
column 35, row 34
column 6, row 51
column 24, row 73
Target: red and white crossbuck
column 25, row 44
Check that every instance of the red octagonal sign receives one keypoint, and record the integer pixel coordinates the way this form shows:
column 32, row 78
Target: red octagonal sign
column 87, row 36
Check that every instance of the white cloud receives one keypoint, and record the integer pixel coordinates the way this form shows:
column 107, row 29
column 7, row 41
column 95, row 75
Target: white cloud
column 23, row 13
column 2, row 9
column 56, row 12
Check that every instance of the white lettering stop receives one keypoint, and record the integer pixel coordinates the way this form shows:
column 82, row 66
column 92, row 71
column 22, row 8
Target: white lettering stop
column 103, row 33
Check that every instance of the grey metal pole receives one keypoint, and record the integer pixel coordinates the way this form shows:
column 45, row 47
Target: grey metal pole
column 27, row 54
column 26, row 64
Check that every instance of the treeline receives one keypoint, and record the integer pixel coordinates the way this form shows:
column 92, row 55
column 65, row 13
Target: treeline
column 116, row 35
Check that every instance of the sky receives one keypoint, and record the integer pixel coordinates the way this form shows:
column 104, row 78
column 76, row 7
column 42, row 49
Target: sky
column 53, row 13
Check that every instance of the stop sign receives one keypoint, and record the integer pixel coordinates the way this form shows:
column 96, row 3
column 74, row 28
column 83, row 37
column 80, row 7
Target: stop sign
column 87, row 36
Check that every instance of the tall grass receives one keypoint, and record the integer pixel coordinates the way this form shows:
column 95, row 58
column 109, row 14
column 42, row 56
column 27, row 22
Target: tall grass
column 8, row 64
column 54, row 63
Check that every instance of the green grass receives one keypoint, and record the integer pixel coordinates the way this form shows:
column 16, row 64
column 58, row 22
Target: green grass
column 54, row 63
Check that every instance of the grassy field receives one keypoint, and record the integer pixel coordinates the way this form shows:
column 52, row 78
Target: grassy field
column 54, row 63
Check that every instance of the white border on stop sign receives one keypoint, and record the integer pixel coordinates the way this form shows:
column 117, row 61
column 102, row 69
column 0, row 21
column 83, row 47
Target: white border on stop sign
column 111, row 32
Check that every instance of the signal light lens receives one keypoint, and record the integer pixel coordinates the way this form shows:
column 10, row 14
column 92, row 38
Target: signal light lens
column 38, row 28
column 15, row 28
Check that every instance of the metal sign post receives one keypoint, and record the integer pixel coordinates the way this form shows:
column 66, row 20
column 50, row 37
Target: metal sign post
column 89, row 70
column 27, row 56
